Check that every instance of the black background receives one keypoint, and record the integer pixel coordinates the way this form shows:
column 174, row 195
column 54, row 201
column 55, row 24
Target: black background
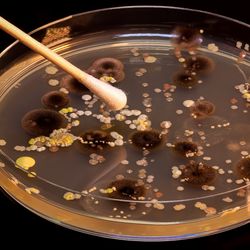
column 23, row 225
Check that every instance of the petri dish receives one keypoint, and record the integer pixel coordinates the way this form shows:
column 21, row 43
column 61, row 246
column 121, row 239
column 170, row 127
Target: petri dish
column 173, row 164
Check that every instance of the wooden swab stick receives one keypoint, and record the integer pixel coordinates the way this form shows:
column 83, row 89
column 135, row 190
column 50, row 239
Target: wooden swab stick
column 115, row 98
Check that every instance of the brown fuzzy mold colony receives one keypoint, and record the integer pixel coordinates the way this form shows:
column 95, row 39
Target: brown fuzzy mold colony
column 198, row 173
column 42, row 122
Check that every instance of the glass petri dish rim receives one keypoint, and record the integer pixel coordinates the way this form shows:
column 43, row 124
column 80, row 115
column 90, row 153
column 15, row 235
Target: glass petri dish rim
column 111, row 9
column 239, row 219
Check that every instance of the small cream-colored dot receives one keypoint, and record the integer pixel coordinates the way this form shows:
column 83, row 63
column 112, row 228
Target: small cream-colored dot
column 51, row 70
column 200, row 205
column 157, row 90
column 65, row 91
column 221, row 171
column 234, row 107
column 2, row 142
column 181, row 59
column 179, row 111
column 150, row 59
column 53, row 82
column 125, row 162
column 227, row 199
column 80, row 112
column 179, row 207
column 86, row 97
column 20, row 148
column 244, row 153
column 138, row 73
column 180, row 188
column 240, row 181
column 188, row 103
column 207, row 158
column 242, row 143
column 132, row 126
column 166, row 124
column 159, row 206
column 88, row 113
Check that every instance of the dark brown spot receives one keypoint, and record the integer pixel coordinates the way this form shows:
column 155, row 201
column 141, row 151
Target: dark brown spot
column 243, row 168
column 95, row 140
column 202, row 109
column 55, row 100
column 186, row 148
column 198, row 173
column 199, row 64
column 42, row 122
column 147, row 139
column 185, row 79
column 107, row 67
column 126, row 189
column 108, row 63
column 186, row 38
column 72, row 85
